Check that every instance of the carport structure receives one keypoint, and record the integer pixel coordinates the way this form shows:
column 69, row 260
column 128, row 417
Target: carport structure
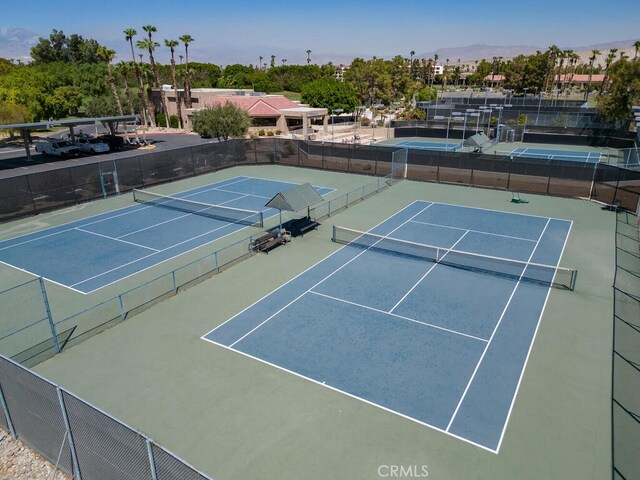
column 108, row 122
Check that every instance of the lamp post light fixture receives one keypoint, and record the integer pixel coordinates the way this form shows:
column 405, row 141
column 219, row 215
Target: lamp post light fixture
column 333, row 112
column 524, row 99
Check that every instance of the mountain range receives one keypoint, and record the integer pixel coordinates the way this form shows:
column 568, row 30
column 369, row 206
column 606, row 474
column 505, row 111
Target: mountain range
column 16, row 43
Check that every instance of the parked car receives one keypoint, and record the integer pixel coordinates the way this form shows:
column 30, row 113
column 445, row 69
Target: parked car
column 58, row 148
column 114, row 141
column 91, row 145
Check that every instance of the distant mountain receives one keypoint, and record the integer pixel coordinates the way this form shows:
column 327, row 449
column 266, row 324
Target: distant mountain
column 477, row 52
column 16, row 43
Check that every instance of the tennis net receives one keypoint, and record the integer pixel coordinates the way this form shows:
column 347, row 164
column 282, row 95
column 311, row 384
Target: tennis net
column 217, row 212
column 548, row 275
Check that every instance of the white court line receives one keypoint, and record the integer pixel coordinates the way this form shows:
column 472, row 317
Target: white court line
column 173, row 219
column 427, row 273
column 304, row 271
column 495, row 329
column 39, row 276
column 330, row 297
column 115, row 239
column 475, row 231
column 160, row 251
column 351, row 395
column 533, row 338
column 325, row 278
column 495, row 211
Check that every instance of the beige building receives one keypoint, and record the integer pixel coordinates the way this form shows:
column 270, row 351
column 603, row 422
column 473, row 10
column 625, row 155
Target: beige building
column 268, row 112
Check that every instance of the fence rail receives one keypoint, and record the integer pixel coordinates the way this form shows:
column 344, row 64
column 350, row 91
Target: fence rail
column 80, row 439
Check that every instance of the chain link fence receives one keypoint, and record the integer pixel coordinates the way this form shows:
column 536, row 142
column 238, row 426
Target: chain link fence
column 77, row 437
column 625, row 389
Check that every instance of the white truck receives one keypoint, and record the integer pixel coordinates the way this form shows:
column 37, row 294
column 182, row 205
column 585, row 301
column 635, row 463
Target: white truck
column 91, row 145
column 57, row 148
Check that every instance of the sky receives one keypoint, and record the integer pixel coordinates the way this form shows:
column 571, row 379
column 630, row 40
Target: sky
column 373, row 27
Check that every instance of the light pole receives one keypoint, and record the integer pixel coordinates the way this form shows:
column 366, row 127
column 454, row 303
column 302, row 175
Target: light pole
column 524, row 99
column 539, row 105
column 440, row 117
column 333, row 112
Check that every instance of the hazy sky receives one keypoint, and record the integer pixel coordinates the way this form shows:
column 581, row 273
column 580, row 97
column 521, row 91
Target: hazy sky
column 376, row 27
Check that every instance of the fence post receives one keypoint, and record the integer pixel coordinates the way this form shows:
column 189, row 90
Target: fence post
column 173, row 279
column 72, row 445
column 45, row 300
column 215, row 254
column 152, row 462
column 5, row 408
column 122, row 311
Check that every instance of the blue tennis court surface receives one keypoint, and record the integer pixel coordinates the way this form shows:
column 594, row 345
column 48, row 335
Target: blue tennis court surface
column 94, row 252
column 444, row 147
column 567, row 155
column 442, row 346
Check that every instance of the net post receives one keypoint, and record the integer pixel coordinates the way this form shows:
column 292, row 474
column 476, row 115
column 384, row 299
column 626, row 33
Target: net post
column 67, row 425
column 152, row 462
column 52, row 326
column 7, row 416
column 215, row 256
column 333, row 237
column 329, row 209
column 173, row 279
column 347, row 201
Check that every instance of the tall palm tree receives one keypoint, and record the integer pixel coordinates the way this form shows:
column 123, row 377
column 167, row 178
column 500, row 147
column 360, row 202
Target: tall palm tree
column 636, row 45
column 592, row 59
column 146, row 115
column 172, row 44
column 411, row 54
column 124, row 73
column 260, row 62
column 107, row 55
column 150, row 46
column 308, row 57
column 435, row 64
column 549, row 82
column 284, row 60
column 273, row 61
column 607, row 62
column 187, row 40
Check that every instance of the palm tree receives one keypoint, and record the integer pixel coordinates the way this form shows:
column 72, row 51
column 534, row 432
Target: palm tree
column 107, row 55
column 308, row 57
column 124, row 73
column 273, row 61
column 150, row 46
column 146, row 116
column 284, row 60
column 636, row 45
column 549, row 82
column 411, row 54
column 260, row 63
column 172, row 44
column 187, row 40
column 592, row 59
column 607, row 62
column 435, row 64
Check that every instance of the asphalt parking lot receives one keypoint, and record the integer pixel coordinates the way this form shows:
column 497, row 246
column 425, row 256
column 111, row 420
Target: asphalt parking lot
column 12, row 155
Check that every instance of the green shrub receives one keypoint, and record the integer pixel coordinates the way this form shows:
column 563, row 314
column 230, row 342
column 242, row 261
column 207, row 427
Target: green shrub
column 161, row 120
column 366, row 122
column 261, row 132
column 270, row 133
column 174, row 122
column 278, row 132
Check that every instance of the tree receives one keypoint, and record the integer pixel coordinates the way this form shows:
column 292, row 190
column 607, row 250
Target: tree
column 427, row 94
column 107, row 55
column 623, row 90
column 592, row 59
column 124, row 74
column 308, row 57
column 60, row 48
column 221, row 121
column 330, row 94
column 186, row 41
column 144, row 110
column 273, row 61
column 172, row 44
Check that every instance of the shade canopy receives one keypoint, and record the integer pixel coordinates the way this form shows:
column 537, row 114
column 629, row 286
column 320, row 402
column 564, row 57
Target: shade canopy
column 477, row 140
column 296, row 198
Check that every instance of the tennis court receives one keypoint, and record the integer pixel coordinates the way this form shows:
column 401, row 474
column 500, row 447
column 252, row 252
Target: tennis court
column 89, row 254
column 443, row 343
column 567, row 155
column 444, row 147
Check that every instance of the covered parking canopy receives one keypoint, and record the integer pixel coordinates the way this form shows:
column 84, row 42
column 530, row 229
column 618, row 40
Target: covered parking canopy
column 109, row 122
